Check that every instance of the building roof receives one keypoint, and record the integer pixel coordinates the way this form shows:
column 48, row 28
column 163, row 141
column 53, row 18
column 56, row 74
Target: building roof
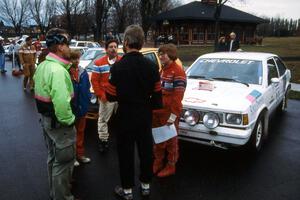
column 202, row 11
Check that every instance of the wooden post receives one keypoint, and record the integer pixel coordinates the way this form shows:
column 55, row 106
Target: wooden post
column 205, row 37
column 190, row 35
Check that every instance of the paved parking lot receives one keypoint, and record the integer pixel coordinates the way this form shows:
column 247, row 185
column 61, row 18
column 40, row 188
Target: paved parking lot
column 202, row 173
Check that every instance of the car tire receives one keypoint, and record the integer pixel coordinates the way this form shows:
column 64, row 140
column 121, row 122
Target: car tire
column 257, row 136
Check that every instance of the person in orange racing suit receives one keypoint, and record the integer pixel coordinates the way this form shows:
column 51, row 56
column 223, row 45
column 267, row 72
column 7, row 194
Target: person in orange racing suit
column 99, row 81
column 173, row 80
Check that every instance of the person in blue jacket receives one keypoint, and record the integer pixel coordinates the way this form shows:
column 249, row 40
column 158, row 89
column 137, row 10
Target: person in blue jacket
column 80, row 102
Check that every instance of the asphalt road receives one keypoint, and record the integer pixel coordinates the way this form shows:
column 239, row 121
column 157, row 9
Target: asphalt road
column 202, row 172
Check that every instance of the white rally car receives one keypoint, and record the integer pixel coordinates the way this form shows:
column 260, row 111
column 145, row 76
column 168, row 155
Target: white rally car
column 230, row 97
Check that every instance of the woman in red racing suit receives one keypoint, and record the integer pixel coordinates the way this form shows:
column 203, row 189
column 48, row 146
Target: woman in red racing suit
column 173, row 80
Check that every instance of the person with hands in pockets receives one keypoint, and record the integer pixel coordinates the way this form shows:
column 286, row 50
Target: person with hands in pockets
column 100, row 75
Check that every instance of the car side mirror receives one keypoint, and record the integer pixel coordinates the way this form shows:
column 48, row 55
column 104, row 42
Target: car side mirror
column 275, row 80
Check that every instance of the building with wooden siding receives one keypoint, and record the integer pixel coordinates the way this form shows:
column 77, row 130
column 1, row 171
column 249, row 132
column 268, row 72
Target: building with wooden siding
column 194, row 23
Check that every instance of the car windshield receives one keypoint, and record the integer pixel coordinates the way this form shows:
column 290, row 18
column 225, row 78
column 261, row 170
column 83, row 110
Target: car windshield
column 89, row 68
column 226, row 69
column 91, row 54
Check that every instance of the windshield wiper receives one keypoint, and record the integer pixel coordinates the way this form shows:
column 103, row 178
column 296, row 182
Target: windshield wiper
column 230, row 79
column 200, row 77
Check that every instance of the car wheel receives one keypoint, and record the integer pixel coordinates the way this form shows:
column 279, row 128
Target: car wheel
column 257, row 136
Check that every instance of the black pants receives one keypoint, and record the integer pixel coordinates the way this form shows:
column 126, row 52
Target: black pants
column 131, row 131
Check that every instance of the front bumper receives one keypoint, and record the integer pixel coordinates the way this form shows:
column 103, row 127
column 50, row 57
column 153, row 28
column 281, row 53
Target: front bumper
column 220, row 136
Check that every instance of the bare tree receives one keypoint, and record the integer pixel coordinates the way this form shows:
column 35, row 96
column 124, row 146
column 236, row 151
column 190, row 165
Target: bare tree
column 42, row 12
column 219, row 4
column 126, row 13
column 70, row 9
column 102, row 7
column 150, row 8
column 15, row 12
column 86, row 24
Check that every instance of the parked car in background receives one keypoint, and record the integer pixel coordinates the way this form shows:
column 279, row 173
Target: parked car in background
column 44, row 45
column 8, row 53
column 89, row 56
column 150, row 53
column 81, row 49
column 88, row 44
column 230, row 97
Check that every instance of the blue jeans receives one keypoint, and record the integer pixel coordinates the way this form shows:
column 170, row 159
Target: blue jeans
column 2, row 61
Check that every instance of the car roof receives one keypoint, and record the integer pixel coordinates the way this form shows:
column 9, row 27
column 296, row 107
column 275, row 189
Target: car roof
column 96, row 49
column 73, row 47
column 240, row 55
column 83, row 41
column 149, row 49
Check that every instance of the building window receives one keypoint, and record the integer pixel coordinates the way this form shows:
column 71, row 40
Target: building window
column 210, row 33
column 198, row 34
column 184, row 34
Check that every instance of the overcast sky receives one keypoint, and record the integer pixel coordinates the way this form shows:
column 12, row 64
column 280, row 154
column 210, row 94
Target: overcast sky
column 269, row 8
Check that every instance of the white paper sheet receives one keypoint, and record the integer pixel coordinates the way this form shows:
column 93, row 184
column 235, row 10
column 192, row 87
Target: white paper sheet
column 163, row 133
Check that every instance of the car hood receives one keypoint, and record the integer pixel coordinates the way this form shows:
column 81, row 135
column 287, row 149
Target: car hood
column 221, row 96
column 84, row 63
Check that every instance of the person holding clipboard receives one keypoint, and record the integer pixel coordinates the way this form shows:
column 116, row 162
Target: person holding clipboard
column 166, row 120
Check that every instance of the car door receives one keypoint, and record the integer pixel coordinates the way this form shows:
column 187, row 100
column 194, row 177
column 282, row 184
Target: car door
column 283, row 79
column 273, row 89
column 152, row 57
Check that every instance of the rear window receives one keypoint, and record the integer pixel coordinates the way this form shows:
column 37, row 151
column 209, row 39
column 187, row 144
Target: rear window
column 81, row 44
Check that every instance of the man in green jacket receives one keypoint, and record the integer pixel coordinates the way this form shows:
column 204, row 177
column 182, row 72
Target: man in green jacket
column 53, row 95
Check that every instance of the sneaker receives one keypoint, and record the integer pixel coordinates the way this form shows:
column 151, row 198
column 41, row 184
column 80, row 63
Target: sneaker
column 119, row 191
column 145, row 189
column 103, row 146
column 84, row 159
column 76, row 163
column 3, row 71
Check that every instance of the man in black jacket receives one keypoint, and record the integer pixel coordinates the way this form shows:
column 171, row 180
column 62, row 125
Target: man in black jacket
column 135, row 84
column 233, row 44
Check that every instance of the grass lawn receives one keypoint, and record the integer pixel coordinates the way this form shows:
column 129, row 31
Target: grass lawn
column 284, row 47
column 294, row 66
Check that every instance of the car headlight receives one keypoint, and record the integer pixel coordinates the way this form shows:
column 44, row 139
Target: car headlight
column 211, row 120
column 233, row 118
column 191, row 117
column 93, row 99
